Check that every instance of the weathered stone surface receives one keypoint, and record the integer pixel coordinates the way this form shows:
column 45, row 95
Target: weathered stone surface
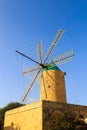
column 28, row 117
column 53, row 86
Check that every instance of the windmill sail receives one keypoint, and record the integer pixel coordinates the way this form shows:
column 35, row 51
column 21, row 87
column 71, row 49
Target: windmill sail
column 29, row 87
column 30, row 70
column 64, row 58
column 28, row 57
column 39, row 51
column 54, row 43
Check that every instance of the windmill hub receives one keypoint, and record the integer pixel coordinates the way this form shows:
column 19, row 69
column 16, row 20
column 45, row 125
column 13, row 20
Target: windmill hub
column 42, row 66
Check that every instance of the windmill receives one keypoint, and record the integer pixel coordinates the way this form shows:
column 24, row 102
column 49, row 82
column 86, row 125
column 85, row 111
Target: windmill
column 52, row 83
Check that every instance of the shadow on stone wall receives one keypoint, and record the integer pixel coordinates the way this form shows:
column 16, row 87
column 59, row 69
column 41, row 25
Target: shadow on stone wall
column 12, row 127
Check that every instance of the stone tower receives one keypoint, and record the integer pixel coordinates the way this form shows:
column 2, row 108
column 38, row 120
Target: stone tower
column 52, row 84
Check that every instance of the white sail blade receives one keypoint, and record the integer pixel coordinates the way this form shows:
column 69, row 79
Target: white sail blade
column 54, row 43
column 30, row 70
column 39, row 51
column 29, row 87
column 64, row 58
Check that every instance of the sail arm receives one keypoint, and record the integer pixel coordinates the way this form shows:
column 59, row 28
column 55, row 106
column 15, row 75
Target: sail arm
column 53, row 45
column 64, row 58
column 29, row 87
column 30, row 70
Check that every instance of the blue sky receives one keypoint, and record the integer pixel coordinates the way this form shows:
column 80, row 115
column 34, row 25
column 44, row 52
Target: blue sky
column 22, row 24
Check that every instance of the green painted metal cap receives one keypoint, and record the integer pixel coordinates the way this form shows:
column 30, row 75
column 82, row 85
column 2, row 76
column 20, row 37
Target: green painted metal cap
column 50, row 66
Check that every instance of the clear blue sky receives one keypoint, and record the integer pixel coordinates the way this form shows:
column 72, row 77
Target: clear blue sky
column 22, row 24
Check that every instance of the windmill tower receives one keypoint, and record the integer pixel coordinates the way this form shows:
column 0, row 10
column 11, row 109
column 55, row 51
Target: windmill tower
column 53, row 84
column 52, row 81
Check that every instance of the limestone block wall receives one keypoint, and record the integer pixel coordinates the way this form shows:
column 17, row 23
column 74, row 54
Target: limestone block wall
column 53, row 86
column 28, row 117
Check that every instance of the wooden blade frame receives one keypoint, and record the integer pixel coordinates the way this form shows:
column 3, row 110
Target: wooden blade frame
column 64, row 58
column 54, row 43
column 39, row 51
column 29, row 87
column 30, row 70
